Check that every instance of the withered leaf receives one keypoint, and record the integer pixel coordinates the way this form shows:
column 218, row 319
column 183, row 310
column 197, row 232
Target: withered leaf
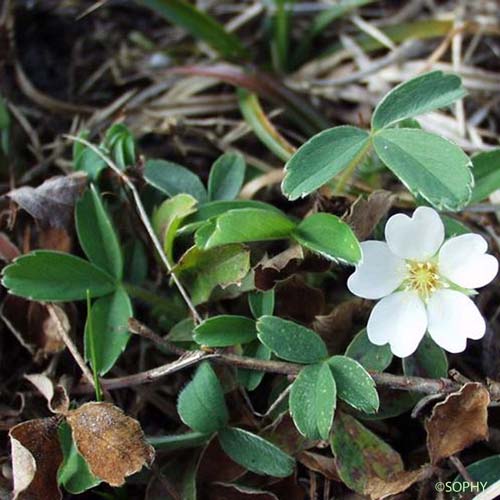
column 51, row 203
column 319, row 463
column 8, row 251
column 457, row 422
column 379, row 488
column 36, row 457
column 270, row 270
column 55, row 394
column 33, row 326
column 364, row 215
column 113, row 444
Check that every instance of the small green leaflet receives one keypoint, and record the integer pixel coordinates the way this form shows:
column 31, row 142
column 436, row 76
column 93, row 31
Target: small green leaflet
column 417, row 96
column 321, row 158
column 252, row 378
column 291, row 341
column 97, row 235
column 354, row 384
column 172, row 179
column 313, row 400
column 372, row 357
column 428, row 361
column 486, row 174
column 255, row 453
column 261, row 303
column 55, row 277
column 245, row 225
column 110, row 315
column 201, row 404
column 226, row 177
column 428, row 165
column 327, row 235
column 225, row 330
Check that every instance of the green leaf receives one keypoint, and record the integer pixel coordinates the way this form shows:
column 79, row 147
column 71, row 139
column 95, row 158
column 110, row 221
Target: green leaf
column 120, row 142
column 251, row 379
column 486, row 174
column 225, row 330
column 182, row 331
column 199, row 24
column 203, row 270
column 312, row 401
column 329, row 236
column 255, row 453
column 322, row 157
column 169, row 216
column 201, row 404
column 428, row 361
column 213, row 209
column 110, row 317
column 226, row 177
column 172, row 179
column 428, row 165
column 417, row 96
column 55, row 277
column 486, row 470
column 261, row 303
column 86, row 159
column 372, row 357
column 360, row 455
column 453, row 227
column 73, row 474
column 354, row 384
column 97, row 235
column 291, row 341
column 245, row 225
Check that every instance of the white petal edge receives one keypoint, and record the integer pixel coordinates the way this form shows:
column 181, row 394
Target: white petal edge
column 400, row 320
column 418, row 237
column 464, row 261
column 379, row 274
column 453, row 318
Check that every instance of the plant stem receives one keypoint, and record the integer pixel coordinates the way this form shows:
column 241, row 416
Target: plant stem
column 93, row 354
column 349, row 170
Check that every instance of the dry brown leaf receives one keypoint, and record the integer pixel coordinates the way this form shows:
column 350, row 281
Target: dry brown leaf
column 51, row 203
column 364, row 215
column 113, row 444
column 379, row 488
column 319, row 463
column 8, row 251
column 56, row 395
column 33, row 326
column 459, row 421
column 55, row 238
column 270, row 270
column 36, row 457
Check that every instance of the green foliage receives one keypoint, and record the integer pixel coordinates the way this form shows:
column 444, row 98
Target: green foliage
column 86, row 159
column 255, row 453
column 55, row 277
column 204, row 270
column 179, row 441
column 97, row 235
column 428, row 165
column 109, row 316
column 74, row 474
column 486, row 470
column 360, row 454
column 171, row 179
column 354, row 384
column 322, row 157
column 225, row 330
column 327, row 235
column 120, row 143
column 261, row 303
column 291, row 341
column 313, row 400
column 486, row 174
column 251, row 379
column 169, row 216
column 417, row 96
column 372, row 357
column 201, row 404
column 429, row 360
column 245, row 225
column 199, row 24
column 226, row 177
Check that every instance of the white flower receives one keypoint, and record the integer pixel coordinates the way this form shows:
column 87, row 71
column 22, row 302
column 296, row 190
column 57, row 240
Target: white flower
column 424, row 284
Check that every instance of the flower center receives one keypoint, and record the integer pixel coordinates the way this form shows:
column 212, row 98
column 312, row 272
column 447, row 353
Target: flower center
column 423, row 278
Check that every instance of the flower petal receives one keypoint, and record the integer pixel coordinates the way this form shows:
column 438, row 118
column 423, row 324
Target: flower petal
column 379, row 274
column 453, row 318
column 401, row 320
column 464, row 261
column 418, row 237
